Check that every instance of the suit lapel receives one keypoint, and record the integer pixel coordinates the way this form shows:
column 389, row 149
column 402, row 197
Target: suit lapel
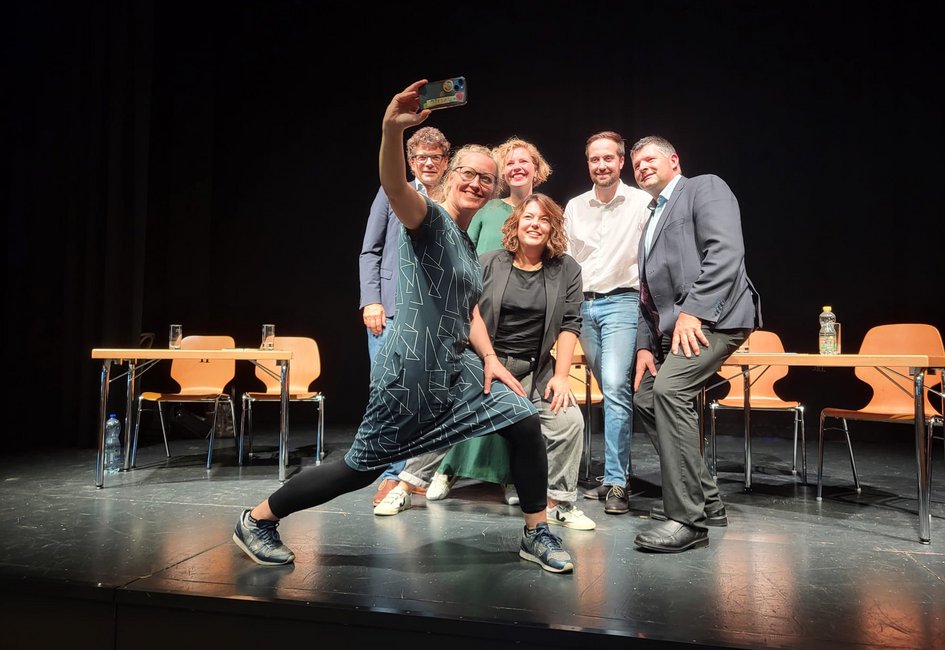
column 667, row 209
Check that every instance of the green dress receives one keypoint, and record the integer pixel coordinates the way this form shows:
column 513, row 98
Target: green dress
column 485, row 229
column 485, row 458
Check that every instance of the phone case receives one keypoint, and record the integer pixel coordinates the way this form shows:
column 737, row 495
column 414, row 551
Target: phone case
column 444, row 93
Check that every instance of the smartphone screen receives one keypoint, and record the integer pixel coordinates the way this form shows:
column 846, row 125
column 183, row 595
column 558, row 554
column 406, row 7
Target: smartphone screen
column 444, row 93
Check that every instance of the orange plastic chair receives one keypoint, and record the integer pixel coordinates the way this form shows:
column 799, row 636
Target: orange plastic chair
column 764, row 397
column 200, row 380
column 304, row 369
column 893, row 399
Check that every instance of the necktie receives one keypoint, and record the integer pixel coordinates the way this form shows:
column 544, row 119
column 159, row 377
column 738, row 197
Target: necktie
column 646, row 300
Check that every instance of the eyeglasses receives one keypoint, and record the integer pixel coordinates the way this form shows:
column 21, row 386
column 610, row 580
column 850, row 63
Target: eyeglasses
column 468, row 174
column 436, row 158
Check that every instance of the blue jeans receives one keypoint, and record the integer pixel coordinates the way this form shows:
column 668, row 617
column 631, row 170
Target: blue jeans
column 374, row 345
column 609, row 339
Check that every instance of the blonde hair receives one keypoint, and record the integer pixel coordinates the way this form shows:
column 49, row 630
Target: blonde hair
column 504, row 150
column 558, row 239
column 457, row 161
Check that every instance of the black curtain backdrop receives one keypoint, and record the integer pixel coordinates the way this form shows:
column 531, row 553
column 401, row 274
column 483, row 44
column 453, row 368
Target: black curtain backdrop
column 212, row 163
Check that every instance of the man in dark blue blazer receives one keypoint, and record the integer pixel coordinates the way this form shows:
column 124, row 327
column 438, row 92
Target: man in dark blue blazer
column 697, row 306
column 428, row 155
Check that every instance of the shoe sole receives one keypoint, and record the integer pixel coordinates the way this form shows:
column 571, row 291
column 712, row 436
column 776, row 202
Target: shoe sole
column 698, row 543
column 555, row 522
column 616, row 511
column 390, row 514
column 252, row 556
column 718, row 522
column 525, row 555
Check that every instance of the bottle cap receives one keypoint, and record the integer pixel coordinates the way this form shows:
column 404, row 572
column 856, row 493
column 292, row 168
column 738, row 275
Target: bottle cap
column 112, row 415
column 827, row 308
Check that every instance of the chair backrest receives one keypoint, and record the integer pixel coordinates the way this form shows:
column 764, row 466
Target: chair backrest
column 304, row 368
column 200, row 376
column 762, row 378
column 892, row 392
column 577, row 379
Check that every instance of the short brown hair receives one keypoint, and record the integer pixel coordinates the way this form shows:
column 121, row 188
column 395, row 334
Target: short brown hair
column 607, row 135
column 428, row 136
column 558, row 240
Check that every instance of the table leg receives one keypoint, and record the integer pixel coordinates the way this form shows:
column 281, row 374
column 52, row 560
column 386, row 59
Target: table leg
column 103, row 404
column 922, row 456
column 283, row 418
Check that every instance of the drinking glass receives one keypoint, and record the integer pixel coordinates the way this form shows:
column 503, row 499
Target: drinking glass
column 268, row 336
column 176, row 334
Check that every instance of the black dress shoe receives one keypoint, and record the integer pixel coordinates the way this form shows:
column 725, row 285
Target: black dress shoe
column 716, row 517
column 598, row 493
column 672, row 537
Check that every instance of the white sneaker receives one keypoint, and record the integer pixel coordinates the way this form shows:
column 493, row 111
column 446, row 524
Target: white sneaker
column 565, row 514
column 511, row 495
column 440, row 486
column 397, row 500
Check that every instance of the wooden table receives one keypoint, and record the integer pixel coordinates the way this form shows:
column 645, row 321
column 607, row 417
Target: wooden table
column 918, row 364
column 131, row 357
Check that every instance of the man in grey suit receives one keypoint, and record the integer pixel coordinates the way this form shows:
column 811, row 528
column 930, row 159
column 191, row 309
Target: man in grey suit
column 697, row 305
column 428, row 156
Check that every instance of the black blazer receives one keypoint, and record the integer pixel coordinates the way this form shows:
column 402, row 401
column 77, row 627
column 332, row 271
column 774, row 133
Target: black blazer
column 563, row 295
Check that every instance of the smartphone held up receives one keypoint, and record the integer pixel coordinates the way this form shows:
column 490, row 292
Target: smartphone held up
column 444, row 93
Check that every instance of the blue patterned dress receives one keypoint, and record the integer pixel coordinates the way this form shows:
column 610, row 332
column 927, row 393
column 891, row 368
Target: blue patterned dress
column 426, row 385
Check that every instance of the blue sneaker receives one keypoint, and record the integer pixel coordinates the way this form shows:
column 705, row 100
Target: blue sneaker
column 544, row 548
column 260, row 540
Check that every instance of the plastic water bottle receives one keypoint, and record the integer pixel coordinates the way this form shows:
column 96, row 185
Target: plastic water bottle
column 828, row 331
column 112, row 445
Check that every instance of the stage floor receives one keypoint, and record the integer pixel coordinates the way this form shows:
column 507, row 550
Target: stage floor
column 147, row 561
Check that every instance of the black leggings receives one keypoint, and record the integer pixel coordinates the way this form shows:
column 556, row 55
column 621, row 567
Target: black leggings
column 528, row 462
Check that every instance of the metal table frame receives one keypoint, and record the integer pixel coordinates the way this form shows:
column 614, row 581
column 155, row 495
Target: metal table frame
column 131, row 357
column 918, row 365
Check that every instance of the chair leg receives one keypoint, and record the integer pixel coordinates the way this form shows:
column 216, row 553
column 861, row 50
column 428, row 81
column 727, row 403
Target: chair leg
column 713, row 468
column 213, row 429
column 239, row 452
column 846, row 432
column 233, row 420
column 249, row 428
column 800, row 414
column 167, row 449
column 794, row 456
column 134, row 440
column 820, row 458
column 320, row 442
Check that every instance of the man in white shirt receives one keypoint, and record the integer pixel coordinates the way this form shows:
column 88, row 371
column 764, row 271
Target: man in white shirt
column 604, row 227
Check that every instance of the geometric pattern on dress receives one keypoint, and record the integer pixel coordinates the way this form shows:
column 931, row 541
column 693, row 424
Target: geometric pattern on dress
column 426, row 386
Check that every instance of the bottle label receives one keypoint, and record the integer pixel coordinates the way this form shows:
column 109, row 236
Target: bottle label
column 828, row 343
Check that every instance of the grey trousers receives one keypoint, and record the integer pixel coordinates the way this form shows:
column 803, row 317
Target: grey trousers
column 564, row 439
column 664, row 406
